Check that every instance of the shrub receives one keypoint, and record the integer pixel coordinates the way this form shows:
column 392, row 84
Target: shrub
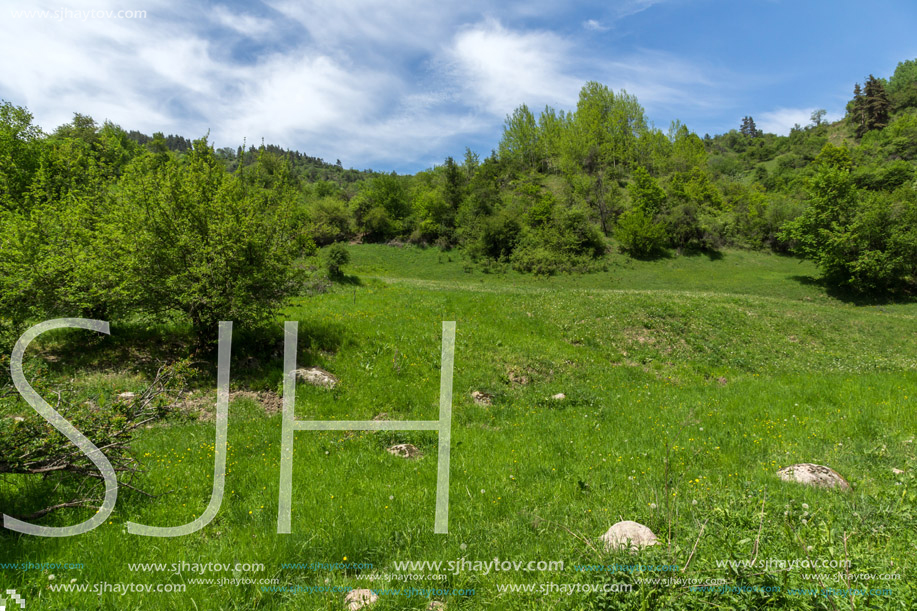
column 205, row 243
column 639, row 235
column 329, row 221
column 336, row 256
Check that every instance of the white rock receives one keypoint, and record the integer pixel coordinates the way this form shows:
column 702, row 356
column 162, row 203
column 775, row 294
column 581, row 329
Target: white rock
column 559, row 396
column 357, row 599
column 481, row 398
column 813, row 475
column 317, row 377
column 405, row 450
column 897, row 471
column 628, row 534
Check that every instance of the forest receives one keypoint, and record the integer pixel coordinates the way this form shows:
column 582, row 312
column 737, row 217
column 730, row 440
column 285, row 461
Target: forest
column 102, row 222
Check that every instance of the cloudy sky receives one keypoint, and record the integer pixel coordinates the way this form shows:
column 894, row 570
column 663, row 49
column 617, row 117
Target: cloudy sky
column 400, row 84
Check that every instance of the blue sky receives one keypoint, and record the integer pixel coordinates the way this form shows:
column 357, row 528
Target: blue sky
column 401, row 84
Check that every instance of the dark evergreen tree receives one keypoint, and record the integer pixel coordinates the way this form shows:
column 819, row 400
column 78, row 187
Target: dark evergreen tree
column 856, row 110
column 876, row 106
column 749, row 128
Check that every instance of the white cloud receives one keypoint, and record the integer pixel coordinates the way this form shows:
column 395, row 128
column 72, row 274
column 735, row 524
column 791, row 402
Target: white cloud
column 782, row 120
column 372, row 82
column 662, row 79
column 248, row 25
column 632, row 7
column 502, row 68
column 594, row 25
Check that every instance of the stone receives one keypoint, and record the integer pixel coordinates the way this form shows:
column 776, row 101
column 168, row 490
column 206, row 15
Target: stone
column 405, row 450
column 317, row 377
column 559, row 396
column 357, row 599
column 481, row 398
column 897, row 471
column 436, row 605
column 813, row 475
column 628, row 534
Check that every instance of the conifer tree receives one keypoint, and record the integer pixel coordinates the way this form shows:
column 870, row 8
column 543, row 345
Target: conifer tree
column 856, row 110
column 876, row 106
column 748, row 127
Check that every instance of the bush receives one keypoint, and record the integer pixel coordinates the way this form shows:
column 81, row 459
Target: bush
column 336, row 256
column 536, row 260
column 497, row 237
column 329, row 221
column 639, row 235
column 205, row 243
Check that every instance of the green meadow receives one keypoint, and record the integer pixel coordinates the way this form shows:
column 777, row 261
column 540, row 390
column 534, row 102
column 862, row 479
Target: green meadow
column 688, row 382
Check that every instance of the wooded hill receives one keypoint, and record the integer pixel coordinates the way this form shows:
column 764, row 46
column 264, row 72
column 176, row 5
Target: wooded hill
column 102, row 222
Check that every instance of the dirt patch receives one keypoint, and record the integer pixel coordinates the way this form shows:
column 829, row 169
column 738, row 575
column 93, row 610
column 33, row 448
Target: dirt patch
column 203, row 405
column 405, row 450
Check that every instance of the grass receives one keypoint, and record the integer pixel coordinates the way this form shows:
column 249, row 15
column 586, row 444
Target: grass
column 688, row 383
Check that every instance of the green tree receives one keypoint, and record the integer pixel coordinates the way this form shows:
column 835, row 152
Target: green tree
column 640, row 235
column 856, row 110
column 520, row 146
column 20, row 152
column 902, row 86
column 206, row 244
column 646, row 193
column 749, row 128
column 875, row 105
column 336, row 257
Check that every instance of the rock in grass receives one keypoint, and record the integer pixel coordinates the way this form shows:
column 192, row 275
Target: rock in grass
column 559, row 396
column 436, row 605
column 813, row 475
column 897, row 471
column 628, row 534
column 481, row 398
column 405, row 450
column 317, row 377
column 357, row 599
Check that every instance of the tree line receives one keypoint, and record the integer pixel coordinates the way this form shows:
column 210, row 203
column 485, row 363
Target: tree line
column 101, row 222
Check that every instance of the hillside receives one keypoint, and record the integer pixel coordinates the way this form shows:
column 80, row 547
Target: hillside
column 687, row 386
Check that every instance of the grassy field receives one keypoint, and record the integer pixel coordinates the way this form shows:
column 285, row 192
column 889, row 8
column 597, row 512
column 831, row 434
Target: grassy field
column 689, row 382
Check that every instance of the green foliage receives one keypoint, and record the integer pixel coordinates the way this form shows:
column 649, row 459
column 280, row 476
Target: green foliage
column 111, row 425
column 749, row 128
column 60, row 248
column 645, row 192
column 107, row 230
column 498, row 237
column 902, row 86
column 381, row 207
column 832, row 202
column 336, row 257
column 329, row 220
column 208, row 244
column 870, row 107
column 521, row 146
column 19, row 154
column 639, row 235
column 865, row 243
